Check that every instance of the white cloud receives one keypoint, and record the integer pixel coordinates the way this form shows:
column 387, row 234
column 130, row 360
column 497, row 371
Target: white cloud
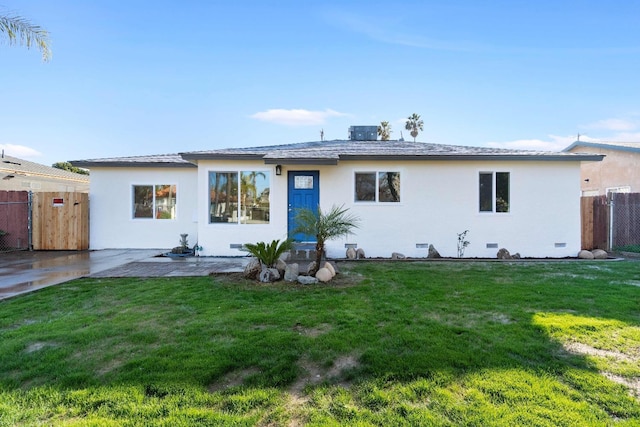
column 19, row 151
column 554, row 143
column 296, row 117
column 613, row 124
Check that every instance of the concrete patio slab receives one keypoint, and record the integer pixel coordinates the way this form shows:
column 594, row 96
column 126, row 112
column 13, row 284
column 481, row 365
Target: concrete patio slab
column 27, row 271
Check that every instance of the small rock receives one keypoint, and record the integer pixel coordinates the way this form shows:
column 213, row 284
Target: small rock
column 268, row 275
column 584, row 254
column 281, row 266
column 516, row 255
column 503, row 254
column 397, row 255
column 351, row 253
column 307, row 280
column 329, row 267
column 600, row 254
column 433, row 252
column 252, row 270
column 360, row 253
column 286, row 256
column 324, row 275
column 312, row 268
column 291, row 272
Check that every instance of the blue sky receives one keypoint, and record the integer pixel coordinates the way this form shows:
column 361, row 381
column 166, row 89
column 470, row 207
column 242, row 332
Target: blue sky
column 152, row 77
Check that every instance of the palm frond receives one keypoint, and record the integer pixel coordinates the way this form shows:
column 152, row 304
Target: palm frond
column 21, row 31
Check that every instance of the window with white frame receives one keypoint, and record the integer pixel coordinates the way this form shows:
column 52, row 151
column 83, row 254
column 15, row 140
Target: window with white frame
column 239, row 197
column 154, row 201
column 382, row 187
column 494, row 192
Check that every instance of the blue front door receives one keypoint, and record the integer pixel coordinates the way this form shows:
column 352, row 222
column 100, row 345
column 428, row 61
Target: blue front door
column 304, row 192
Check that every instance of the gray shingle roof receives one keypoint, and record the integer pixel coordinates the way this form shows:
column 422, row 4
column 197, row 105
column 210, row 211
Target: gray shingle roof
column 330, row 152
column 14, row 165
column 159, row 160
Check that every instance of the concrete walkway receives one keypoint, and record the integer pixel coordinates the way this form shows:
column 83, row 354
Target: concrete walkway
column 22, row 272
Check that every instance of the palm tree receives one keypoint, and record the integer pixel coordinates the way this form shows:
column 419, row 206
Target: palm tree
column 19, row 30
column 324, row 225
column 414, row 124
column 384, row 130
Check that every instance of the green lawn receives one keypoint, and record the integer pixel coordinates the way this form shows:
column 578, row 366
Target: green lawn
column 406, row 343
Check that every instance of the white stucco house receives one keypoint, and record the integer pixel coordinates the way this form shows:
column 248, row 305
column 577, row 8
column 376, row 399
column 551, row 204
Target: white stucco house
column 408, row 195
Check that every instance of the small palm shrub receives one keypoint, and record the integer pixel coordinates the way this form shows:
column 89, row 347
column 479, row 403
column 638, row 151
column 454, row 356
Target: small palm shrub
column 268, row 253
column 335, row 223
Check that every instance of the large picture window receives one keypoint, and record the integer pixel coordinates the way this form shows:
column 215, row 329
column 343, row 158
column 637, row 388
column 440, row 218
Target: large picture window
column 154, row 201
column 494, row 192
column 239, row 197
column 382, row 187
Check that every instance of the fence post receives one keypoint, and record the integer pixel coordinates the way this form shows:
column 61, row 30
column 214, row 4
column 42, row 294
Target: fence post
column 30, row 220
column 611, row 221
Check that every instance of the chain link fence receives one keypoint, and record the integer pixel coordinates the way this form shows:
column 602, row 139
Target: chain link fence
column 625, row 222
column 15, row 217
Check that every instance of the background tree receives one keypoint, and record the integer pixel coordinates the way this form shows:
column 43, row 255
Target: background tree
column 21, row 31
column 324, row 226
column 414, row 125
column 69, row 167
column 384, row 130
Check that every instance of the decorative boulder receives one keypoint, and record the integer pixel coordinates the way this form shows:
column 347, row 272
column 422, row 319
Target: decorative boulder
column 433, row 252
column 312, row 268
column 268, row 275
column 329, row 267
column 286, row 256
column 360, row 253
column 252, row 270
column 307, row 280
column 291, row 272
column 584, row 254
column 516, row 255
column 600, row 254
column 503, row 254
column 397, row 255
column 281, row 266
column 324, row 275
column 351, row 253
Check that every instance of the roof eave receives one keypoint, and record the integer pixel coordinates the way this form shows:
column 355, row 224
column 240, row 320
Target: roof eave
column 476, row 157
column 209, row 156
column 89, row 165
column 301, row 161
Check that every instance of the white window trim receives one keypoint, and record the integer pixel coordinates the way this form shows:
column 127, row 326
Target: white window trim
column 377, row 202
column 153, row 217
column 494, row 199
column 238, row 170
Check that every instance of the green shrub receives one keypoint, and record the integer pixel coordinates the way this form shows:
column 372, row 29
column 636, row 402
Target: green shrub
column 268, row 254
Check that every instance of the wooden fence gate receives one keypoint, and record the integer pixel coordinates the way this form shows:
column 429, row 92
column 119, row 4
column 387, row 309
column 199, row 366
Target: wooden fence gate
column 594, row 212
column 60, row 221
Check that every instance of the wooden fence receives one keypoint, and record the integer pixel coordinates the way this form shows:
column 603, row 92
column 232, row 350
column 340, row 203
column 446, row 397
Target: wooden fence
column 60, row 221
column 610, row 223
column 594, row 212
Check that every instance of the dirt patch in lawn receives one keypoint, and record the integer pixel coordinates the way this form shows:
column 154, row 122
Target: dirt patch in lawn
column 312, row 332
column 39, row 345
column 314, row 373
column 232, row 379
column 632, row 383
